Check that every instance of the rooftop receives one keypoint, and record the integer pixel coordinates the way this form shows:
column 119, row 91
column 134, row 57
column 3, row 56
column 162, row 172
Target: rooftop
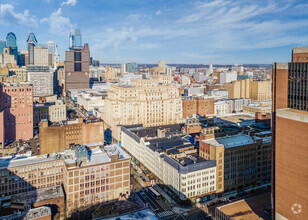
column 231, row 141
column 98, row 155
column 140, row 131
column 173, row 143
column 38, row 213
column 248, row 209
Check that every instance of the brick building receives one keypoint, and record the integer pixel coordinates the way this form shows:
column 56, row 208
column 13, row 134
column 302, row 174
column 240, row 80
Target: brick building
column 246, row 159
column 90, row 176
column 57, row 137
column 77, row 62
column 199, row 106
column 16, row 112
column 290, row 128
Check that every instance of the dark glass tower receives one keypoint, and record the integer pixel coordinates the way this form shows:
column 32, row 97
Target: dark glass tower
column 31, row 43
column 12, row 45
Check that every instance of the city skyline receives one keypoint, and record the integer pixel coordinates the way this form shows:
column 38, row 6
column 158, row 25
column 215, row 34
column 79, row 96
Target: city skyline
column 200, row 32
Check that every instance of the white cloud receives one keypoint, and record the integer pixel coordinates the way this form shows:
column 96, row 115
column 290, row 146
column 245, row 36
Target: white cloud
column 158, row 12
column 69, row 2
column 238, row 25
column 58, row 24
column 9, row 16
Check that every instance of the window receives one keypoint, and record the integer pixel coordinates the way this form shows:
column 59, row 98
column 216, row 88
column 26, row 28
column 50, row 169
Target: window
column 77, row 67
column 77, row 56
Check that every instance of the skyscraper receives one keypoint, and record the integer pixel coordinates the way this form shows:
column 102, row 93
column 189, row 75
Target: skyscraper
column 290, row 129
column 78, row 39
column 12, row 45
column 75, row 40
column 31, row 43
column 71, row 41
column 77, row 62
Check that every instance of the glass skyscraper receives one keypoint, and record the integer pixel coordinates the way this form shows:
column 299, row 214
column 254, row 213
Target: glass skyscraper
column 77, row 38
column 11, row 44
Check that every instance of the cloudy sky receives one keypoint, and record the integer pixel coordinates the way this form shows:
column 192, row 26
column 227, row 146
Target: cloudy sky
column 177, row 31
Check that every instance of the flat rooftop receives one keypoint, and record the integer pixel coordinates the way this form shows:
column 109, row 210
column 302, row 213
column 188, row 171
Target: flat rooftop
column 98, row 155
column 238, row 118
column 231, row 141
column 39, row 195
column 141, row 132
column 248, row 209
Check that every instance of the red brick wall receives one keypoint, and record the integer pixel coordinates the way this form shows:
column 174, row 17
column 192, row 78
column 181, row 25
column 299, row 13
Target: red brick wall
column 291, row 167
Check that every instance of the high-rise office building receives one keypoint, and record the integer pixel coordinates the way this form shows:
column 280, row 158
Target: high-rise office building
column 16, row 112
column 31, row 43
column 75, row 39
column 71, row 41
column 41, row 57
column 290, row 129
column 78, row 39
column 77, row 63
column 41, row 77
column 132, row 67
column 12, row 45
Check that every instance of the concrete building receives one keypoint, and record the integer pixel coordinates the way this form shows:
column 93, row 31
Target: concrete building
column 247, row 160
column 144, row 102
column 57, row 137
column 290, row 128
column 258, row 108
column 123, row 68
column 239, row 69
column 223, row 93
column 41, row 57
column 197, row 91
column 163, row 79
column 227, row 77
column 185, row 81
column 221, row 108
column 198, row 106
column 256, row 90
column 91, row 100
column 16, row 112
column 41, row 77
column 162, row 66
column 174, row 161
column 53, row 112
column 236, row 105
column 20, row 73
column 260, row 90
column 7, row 59
column 77, row 62
column 87, row 180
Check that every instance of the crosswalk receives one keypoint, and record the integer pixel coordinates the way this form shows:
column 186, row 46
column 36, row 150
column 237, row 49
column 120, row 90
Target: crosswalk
column 165, row 214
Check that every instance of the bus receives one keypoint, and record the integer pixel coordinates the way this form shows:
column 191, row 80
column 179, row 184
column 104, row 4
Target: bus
column 154, row 193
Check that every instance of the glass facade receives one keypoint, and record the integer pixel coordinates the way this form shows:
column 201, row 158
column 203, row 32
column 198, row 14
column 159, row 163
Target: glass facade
column 297, row 86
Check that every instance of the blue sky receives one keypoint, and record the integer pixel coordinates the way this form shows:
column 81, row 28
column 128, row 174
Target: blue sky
column 177, row 31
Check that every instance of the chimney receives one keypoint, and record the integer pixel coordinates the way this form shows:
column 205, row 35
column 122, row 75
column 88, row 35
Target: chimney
column 161, row 133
